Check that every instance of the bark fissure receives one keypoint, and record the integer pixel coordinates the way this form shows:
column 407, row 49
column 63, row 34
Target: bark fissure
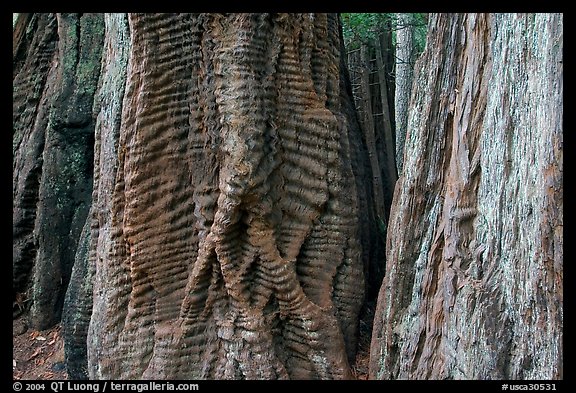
column 461, row 285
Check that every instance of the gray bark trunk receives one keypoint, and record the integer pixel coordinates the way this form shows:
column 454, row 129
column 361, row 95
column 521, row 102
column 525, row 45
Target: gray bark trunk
column 404, row 78
column 108, row 109
column 55, row 77
column 474, row 281
column 34, row 49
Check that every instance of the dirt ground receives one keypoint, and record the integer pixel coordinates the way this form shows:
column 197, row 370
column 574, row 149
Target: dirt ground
column 360, row 365
column 37, row 355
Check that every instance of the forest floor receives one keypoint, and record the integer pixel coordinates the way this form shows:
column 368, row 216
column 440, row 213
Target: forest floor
column 360, row 366
column 39, row 355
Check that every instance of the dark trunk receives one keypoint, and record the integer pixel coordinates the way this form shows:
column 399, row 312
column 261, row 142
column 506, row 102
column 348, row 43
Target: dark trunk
column 55, row 76
column 108, row 106
column 33, row 58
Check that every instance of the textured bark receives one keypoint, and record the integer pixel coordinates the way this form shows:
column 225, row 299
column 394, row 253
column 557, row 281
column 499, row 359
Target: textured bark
column 233, row 247
column 474, row 282
column 403, row 80
column 66, row 182
column 77, row 305
column 371, row 244
column 108, row 111
column 56, row 63
column 34, row 46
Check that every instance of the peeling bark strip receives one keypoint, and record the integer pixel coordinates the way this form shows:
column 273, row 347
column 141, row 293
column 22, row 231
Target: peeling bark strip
column 233, row 248
column 473, row 287
column 52, row 144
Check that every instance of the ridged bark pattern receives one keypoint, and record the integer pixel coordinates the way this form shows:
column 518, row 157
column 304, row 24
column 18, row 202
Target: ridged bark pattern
column 233, row 248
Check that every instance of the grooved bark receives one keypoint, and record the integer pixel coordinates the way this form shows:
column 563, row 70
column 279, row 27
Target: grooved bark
column 233, row 248
column 66, row 182
column 56, row 63
column 33, row 57
column 473, row 287
column 107, row 109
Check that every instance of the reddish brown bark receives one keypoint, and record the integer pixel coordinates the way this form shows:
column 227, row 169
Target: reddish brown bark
column 233, row 249
column 474, row 281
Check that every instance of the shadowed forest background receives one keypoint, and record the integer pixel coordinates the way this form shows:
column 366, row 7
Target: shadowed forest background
column 288, row 196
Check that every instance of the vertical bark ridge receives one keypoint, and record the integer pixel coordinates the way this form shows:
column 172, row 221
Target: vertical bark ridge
column 31, row 95
column 80, row 305
column 157, row 140
column 56, row 69
column 468, row 292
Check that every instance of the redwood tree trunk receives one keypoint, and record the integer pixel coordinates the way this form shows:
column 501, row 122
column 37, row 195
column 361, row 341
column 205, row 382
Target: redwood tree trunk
column 474, row 281
column 226, row 237
column 97, row 231
column 56, row 69
column 227, row 232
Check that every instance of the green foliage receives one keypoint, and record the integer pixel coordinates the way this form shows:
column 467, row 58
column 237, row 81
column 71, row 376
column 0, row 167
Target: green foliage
column 420, row 30
column 358, row 28
column 382, row 228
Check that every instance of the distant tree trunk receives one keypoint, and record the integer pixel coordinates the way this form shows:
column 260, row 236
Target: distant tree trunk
column 404, row 78
column 56, row 69
column 227, row 229
column 388, row 131
column 370, row 135
column 474, row 281
column 371, row 226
